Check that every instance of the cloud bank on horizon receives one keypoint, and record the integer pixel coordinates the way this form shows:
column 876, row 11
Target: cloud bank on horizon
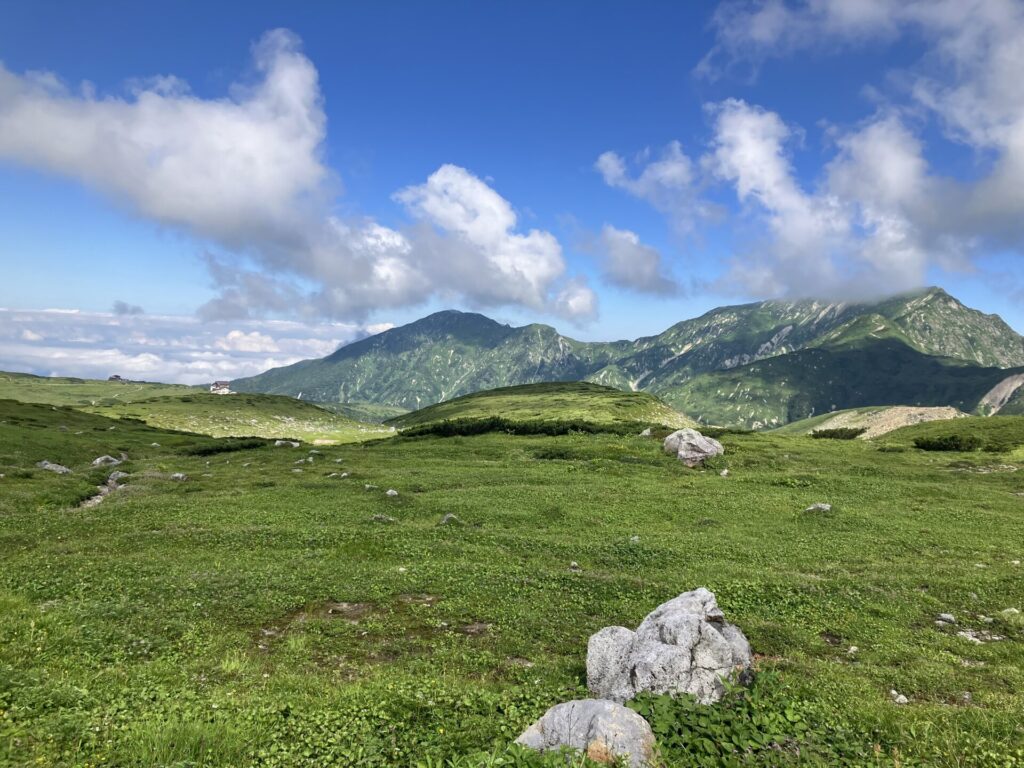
column 247, row 174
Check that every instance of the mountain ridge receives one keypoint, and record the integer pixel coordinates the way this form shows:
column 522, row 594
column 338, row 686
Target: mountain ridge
column 452, row 353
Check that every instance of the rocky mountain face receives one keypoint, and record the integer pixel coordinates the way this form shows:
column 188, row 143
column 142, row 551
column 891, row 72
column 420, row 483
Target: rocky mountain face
column 754, row 365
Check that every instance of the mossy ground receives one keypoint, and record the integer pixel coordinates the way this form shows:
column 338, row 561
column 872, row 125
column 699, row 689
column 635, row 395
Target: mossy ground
column 256, row 615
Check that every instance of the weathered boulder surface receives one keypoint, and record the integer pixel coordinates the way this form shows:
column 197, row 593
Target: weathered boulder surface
column 50, row 466
column 682, row 646
column 603, row 730
column 691, row 447
column 105, row 461
column 285, row 444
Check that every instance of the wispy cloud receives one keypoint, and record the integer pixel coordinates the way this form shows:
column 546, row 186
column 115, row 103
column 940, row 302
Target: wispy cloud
column 160, row 348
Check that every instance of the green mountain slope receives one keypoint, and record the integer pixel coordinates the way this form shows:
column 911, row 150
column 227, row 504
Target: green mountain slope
column 55, row 390
column 450, row 354
column 562, row 401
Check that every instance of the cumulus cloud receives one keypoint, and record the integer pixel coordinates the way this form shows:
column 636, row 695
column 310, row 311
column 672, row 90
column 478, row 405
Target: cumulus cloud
column 177, row 349
column 628, row 263
column 878, row 215
column 247, row 173
column 667, row 181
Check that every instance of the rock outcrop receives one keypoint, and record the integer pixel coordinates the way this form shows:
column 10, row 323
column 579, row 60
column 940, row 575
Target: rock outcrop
column 691, row 447
column 605, row 731
column 50, row 466
column 682, row 646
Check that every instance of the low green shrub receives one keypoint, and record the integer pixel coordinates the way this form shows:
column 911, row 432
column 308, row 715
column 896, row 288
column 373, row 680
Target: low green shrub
column 839, row 433
column 964, row 443
column 467, row 427
column 225, row 445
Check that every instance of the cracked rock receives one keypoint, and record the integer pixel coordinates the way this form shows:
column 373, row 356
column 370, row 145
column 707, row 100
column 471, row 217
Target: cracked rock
column 605, row 731
column 682, row 646
column 691, row 447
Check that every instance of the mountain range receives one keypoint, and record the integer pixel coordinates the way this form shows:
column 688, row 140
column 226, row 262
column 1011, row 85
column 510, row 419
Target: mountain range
column 754, row 365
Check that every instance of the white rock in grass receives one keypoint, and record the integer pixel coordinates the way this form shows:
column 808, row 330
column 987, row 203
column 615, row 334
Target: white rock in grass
column 285, row 444
column 391, row 492
column 683, row 646
column 819, row 507
column 604, row 731
column 105, row 461
column 50, row 466
column 946, row 618
column 691, row 447
column 179, row 477
column 898, row 698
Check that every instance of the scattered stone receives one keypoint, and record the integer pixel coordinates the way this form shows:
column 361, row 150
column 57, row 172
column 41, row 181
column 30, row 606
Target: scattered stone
column 819, row 507
column 979, row 636
column 315, row 452
column 247, row 464
column 605, row 731
column 343, row 475
column 724, row 473
column 285, row 443
column 391, row 492
column 980, row 565
column 691, row 447
column 179, row 477
column 966, row 698
column 898, row 698
column 646, row 432
column 946, row 618
column 106, row 461
column 1015, row 562
column 386, row 519
column 852, row 650
column 402, row 569
column 369, row 487
column 1008, row 613
column 116, row 477
column 297, row 471
column 300, row 461
column 450, row 519
column 575, row 567
column 49, row 466
column 683, row 646
column 634, row 539
column 154, row 445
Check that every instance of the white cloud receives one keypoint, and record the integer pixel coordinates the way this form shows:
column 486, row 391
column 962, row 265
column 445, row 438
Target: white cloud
column 628, row 263
column 472, row 239
column 576, row 301
column 160, row 348
column 246, row 173
column 667, row 182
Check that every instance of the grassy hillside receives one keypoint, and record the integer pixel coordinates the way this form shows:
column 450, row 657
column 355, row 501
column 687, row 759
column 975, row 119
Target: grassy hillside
column 999, row 434
column 552, row 401
column 243, row 414
column 256, row 614
column 870, row 372
column 57, row 390
column 371, row 413
column 876, row 421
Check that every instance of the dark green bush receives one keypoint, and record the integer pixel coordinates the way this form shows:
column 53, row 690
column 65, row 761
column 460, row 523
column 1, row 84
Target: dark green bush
column 466, row 427
column 948, row 443
column 840, row 433
column 225, row 445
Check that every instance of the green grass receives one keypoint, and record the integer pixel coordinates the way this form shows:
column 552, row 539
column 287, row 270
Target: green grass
column 190, row 623
column 244, row 414
column 373, row 413
column 551, row 401
column 82, row 392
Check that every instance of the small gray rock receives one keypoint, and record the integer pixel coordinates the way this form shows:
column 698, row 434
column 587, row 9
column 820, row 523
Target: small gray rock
column 50, row 466
column 179, row 477
column 105, row 461
column 450, row 519
column 946, row 618
column 603, row 730
column 898, row 698
column 115, row 478
column 285, row 444
column 387, row 519
column 691, row 447
column 819, row 507
column 391, row 492
column 724, row 473
column 646, row 432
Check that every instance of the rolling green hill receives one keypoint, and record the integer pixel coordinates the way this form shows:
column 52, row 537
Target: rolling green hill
column 555, row 401
column 875, row 421
column 55, row 390
column 450, row 354
column 243, row 415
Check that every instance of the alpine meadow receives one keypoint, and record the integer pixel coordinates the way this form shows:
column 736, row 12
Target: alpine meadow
column 537, row 385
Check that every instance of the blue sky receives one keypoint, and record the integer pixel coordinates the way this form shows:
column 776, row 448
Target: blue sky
column 607, row 168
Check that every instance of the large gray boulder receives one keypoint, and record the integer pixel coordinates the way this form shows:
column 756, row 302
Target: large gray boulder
column 691, row 447
column 682, row 646
column 603, row 730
